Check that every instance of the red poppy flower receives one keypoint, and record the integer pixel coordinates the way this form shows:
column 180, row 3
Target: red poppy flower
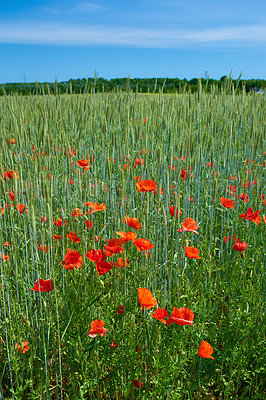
column 10, row 174
column 88, row 224
column 240, row 246
column 113, row 247
column 25, row 346
column 96, row 255
column 5, row 257
column 189, row 225
column 43, row 219
column 231, row 189
column 20, row 207
column 192, row 252
column 244, row 197
column 136, row 382
column 139, row 161
column 120, row 309
column 121, row 263
column 143, row 244
column 229, row 238
column 72, row 259
column 227, row 202
column 249, row 184
column 146, row 298
column 132, row 222
column 251, row 216
column 59, row 222
column 181, row 316
column 174, row 212
column 160, row 314
column 2, row 210
column 76, row 212
column 146, row 185
column 73, row 236
column 113, row 344
column 102, row 267
column 11, row 195
column 84, row 163
column 127, row 236
column 44, row 248
column 95, row 207
column 6, row 244
column 57, row 237
column 42, row 285
column 205, row 350
column 97, row 326
column 184, row 174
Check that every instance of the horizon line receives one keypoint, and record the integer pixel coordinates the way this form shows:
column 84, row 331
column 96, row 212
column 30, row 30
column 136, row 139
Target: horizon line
column 135, row 78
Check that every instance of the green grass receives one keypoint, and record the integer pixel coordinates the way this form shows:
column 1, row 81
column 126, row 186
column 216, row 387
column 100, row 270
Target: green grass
column 225, row 289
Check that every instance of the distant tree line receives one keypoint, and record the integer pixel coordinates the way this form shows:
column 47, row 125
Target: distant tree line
column 147, row 85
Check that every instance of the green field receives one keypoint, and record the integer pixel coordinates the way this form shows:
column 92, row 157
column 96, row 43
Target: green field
column 198, row 148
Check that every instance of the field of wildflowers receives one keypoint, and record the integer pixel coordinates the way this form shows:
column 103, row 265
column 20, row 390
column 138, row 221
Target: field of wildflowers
column 132, row 241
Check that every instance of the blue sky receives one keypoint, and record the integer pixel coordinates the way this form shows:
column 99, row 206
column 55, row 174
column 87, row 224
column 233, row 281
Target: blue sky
column 48, row 40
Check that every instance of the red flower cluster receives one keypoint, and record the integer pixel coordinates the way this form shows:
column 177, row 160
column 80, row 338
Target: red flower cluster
column 251, row 216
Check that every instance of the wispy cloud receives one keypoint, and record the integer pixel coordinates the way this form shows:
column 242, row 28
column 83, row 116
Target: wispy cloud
column 80, row 8
column 88, row 7
column 55, row 34
column 172, row 3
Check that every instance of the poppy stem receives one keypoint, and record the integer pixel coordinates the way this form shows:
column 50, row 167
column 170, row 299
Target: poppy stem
column 198, row 388
column 123, row 321
column 147, row 344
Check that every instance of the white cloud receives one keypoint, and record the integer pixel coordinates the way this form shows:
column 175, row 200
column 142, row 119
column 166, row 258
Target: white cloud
column 58, row 34
column 80, row 8
column 88, row 7
column 173, row 3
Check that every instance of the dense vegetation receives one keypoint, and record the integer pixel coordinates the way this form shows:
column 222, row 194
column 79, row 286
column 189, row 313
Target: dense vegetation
column 73, row 169
column 149, row 85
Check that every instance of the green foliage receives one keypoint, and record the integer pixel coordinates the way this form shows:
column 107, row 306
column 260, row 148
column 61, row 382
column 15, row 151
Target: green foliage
column 225, row 289
column 141, row 85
